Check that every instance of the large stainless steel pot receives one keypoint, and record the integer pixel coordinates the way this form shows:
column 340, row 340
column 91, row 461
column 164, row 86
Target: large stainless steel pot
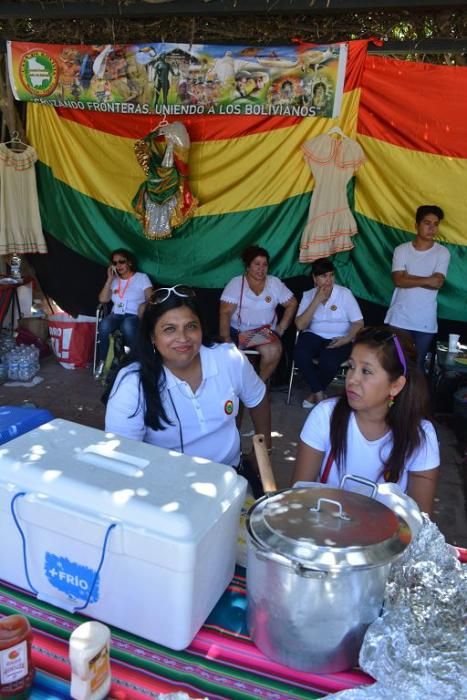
column 318, row 560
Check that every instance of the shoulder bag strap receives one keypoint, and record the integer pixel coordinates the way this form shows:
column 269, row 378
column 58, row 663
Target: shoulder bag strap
column 239, row 320
column 327, row 468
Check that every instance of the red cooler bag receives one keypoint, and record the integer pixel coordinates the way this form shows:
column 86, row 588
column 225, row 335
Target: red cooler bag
column 72, row 339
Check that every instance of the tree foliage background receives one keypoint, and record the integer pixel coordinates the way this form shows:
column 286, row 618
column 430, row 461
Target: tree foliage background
column 265, row 28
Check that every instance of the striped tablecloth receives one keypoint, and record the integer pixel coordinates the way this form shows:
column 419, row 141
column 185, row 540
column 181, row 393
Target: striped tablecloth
column 221, row 662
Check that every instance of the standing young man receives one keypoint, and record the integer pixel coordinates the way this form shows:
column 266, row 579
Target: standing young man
column 419, row 269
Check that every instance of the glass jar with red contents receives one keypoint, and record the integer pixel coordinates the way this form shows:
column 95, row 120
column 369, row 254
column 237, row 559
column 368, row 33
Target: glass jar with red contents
column 16, row 669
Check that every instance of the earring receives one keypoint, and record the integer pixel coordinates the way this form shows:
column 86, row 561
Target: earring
column 391, row 401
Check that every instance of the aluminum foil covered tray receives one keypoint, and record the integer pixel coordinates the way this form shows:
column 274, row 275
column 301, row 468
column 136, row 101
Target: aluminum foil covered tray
column 417, row 648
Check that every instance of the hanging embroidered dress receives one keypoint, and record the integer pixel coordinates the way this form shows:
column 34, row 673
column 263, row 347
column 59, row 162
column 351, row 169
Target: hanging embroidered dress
column 330, row 224
column 20, row 221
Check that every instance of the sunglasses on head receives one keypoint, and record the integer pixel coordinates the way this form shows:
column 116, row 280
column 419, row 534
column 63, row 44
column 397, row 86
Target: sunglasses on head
column 119, row 262
column 163, row 293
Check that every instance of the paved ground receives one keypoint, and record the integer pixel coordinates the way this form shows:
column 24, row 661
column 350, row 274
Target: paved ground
column 74, row 395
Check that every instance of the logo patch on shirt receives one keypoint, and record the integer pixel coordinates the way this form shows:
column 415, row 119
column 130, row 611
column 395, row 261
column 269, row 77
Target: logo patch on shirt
column 268, row 299
column 333, row 307
column 228, row 407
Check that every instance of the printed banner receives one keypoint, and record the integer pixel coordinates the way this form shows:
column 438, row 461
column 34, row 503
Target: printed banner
column 181, row 79
column 248, row 174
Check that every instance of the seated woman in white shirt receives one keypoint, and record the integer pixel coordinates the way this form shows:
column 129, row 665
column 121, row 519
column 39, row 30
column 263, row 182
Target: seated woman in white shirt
column 250, row 301
column 379, row 428
column 181, row 392
column 329, row 318
column 127, row 289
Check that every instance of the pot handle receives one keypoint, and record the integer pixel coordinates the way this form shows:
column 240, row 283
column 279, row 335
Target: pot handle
column 341, row 513
column 281, row 560
column 267, row 555
column 361, row 480
column 305, row 572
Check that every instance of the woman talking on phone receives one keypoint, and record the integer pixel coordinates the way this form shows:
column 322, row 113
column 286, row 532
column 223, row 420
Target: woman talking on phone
column 127, row 289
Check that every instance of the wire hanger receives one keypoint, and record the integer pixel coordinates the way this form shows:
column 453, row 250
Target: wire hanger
column 15, row 142
column 163, row 122
column 336, row 130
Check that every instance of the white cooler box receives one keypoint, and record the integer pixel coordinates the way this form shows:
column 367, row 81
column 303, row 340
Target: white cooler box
column 128, row 533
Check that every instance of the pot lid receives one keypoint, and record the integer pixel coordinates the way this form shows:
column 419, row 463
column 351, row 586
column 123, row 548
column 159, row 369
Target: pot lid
column 327, row 529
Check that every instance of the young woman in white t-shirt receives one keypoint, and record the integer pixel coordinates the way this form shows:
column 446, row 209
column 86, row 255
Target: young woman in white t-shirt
column 379, row 428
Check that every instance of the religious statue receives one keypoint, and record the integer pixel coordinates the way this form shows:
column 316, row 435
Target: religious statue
column 164, row 201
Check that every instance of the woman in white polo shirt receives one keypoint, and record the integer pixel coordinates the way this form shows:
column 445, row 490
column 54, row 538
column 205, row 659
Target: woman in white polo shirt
column 250, row 301
column 329, row 318
column 181, row 392
column 127, row 289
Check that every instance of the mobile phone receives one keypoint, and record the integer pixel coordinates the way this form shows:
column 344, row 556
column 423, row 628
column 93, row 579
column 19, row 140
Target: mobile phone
column 114, row 269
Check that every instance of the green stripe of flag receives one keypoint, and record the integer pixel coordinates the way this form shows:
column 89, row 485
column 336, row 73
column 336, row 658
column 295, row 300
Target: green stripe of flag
column 205, row 252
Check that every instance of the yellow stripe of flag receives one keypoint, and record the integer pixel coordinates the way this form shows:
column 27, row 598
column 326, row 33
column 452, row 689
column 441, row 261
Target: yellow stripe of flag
column 226, row 175
column 395, row 181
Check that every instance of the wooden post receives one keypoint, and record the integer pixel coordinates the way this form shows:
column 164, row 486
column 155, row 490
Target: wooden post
column 10, row 115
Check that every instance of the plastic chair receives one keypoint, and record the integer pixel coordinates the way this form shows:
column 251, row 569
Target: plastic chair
column 101, row 311
column 116, row 347
column 293, row 370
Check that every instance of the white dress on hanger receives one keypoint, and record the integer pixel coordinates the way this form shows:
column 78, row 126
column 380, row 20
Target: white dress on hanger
column 332, row 160
column 20, row 221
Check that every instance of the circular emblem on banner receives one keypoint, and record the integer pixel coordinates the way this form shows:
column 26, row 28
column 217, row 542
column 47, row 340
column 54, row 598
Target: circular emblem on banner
column 38, row 72
column 333, row 307
column 267, row 299
column 228, row 407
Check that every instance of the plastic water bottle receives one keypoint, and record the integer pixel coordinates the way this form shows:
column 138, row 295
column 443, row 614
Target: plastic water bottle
column 24, row 370
column 33, row 360
column 6, row 366
column 32, row 356
column 13, row 369
column 15, row 267
column 7, row 342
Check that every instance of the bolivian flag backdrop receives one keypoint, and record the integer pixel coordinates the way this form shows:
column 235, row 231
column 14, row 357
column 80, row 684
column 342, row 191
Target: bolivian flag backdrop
column 412, row 128
column 253, row 185
column 247, row 172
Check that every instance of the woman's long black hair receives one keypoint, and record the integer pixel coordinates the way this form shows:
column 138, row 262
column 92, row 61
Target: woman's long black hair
column 151, row 368
column 410, row 406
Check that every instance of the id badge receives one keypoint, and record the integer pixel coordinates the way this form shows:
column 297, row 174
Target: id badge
column 120, row 307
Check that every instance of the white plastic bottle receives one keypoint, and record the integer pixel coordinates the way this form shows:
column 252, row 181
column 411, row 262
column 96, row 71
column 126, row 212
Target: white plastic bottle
column 15, row 267
column 90, row 661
